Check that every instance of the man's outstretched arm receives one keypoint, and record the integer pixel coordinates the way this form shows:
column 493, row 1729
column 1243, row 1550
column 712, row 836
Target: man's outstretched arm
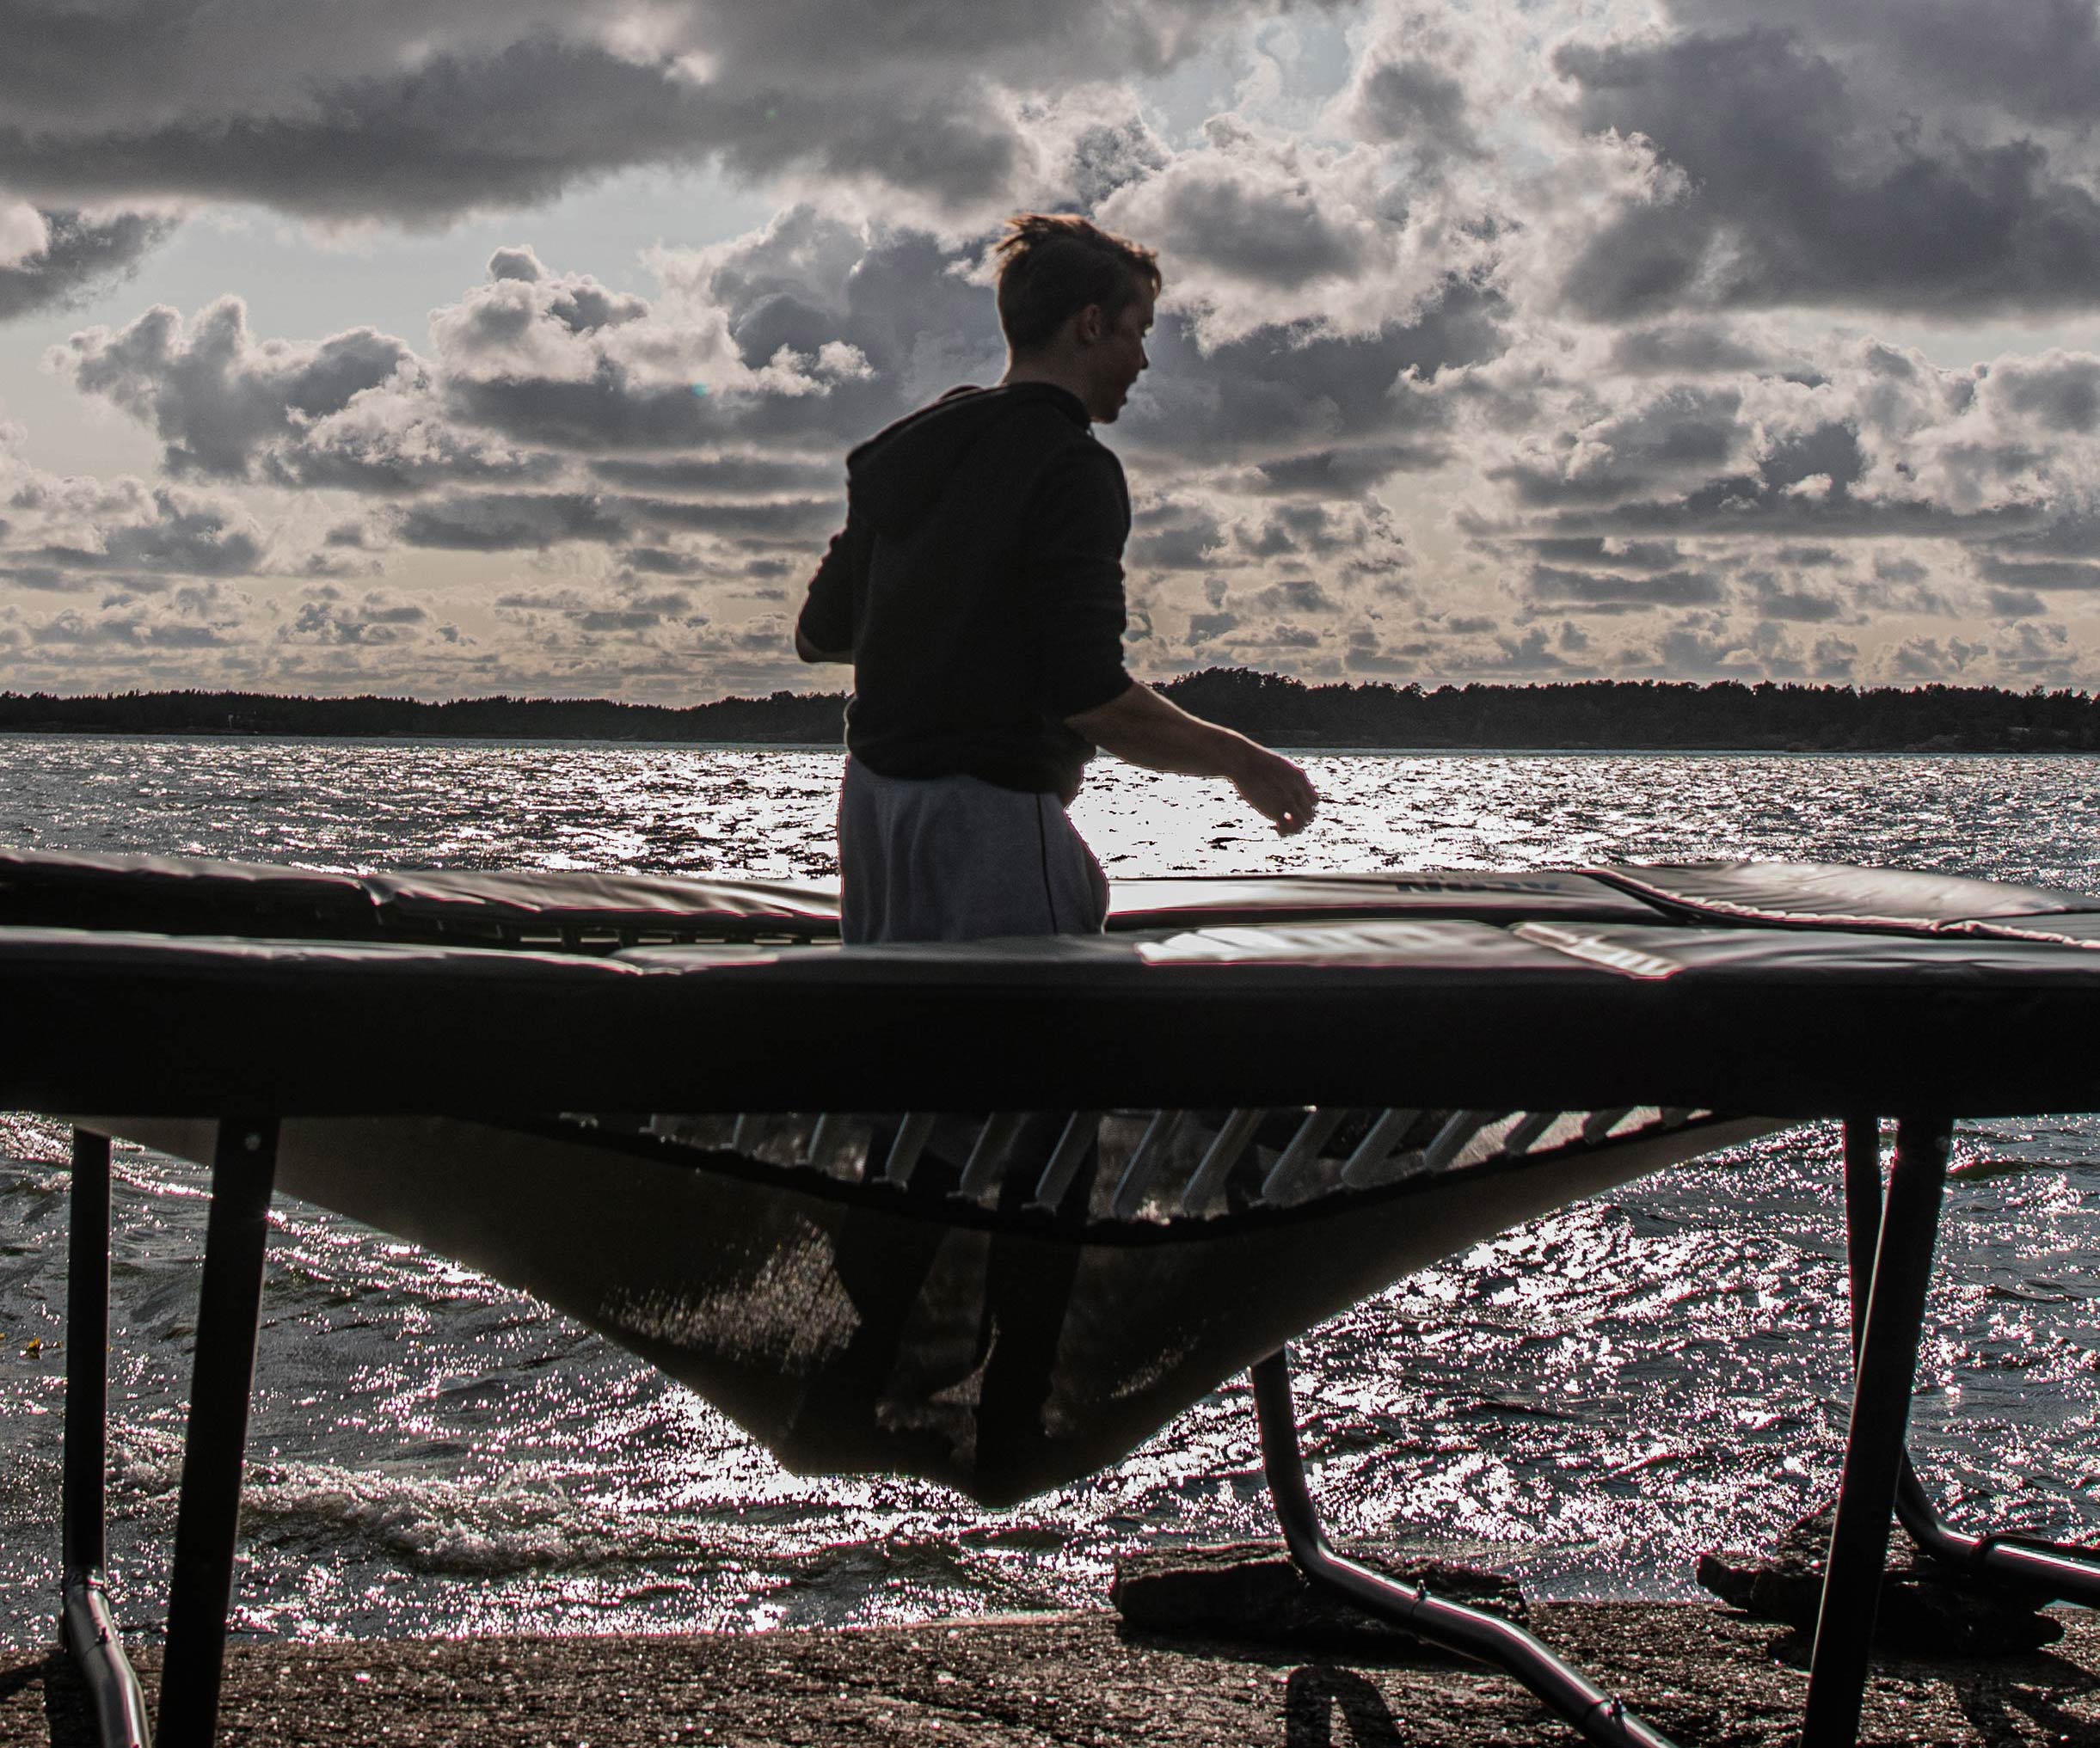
column 1140, row 726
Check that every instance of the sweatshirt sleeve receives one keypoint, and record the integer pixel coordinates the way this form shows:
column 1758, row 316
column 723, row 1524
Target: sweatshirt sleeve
column 827, row 620
column 1080, row 510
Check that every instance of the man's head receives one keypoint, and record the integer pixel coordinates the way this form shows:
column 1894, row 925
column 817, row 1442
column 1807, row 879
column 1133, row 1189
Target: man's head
column 1075, row 301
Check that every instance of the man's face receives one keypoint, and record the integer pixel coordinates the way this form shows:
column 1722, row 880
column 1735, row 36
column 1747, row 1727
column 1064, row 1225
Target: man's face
column 1117, row 357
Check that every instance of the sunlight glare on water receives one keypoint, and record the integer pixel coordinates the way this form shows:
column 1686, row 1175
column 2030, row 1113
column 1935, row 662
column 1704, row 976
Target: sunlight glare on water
column 1583, row 1403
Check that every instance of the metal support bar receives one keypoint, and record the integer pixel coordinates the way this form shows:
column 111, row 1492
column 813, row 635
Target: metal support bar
column 86, row 1627
column 1472, row 1632
column 1874, row 1451
column 207, row 1517
column 2054, row 1569
column 87, row 1352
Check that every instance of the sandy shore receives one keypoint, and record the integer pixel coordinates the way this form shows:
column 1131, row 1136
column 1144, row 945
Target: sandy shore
column 1704, row 1675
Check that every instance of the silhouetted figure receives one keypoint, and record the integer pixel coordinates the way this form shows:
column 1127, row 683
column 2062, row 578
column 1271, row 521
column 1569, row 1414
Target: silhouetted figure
column 977, row 588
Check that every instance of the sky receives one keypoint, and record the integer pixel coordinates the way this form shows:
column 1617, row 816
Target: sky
column 500, row 346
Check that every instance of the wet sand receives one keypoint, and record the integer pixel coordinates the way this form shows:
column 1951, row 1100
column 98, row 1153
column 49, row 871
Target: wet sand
column 1703, row 1675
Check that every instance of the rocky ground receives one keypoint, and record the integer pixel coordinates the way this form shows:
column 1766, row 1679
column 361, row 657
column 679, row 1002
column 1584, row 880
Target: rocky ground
column 1704, row 1675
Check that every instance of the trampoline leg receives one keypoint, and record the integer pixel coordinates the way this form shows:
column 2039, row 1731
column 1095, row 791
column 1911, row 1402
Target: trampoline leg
column 207, row 1517
column 1599, row 1717
column 1874, row 1452
column 86, row 1627
column 2052, row 1569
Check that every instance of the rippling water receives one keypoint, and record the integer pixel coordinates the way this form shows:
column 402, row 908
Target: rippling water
column 1584, row 1403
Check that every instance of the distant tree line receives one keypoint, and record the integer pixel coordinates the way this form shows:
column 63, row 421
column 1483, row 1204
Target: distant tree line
column 1642, row 713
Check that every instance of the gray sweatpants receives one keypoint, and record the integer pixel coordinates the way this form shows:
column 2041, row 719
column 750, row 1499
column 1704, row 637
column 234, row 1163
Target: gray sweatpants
column 960, row 858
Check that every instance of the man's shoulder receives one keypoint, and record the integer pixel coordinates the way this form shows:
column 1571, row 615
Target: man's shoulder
column 1045, row 414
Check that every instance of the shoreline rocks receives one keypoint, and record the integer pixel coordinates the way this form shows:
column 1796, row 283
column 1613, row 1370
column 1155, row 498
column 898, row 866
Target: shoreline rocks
column 1251, row 1590
column 1926, row 1609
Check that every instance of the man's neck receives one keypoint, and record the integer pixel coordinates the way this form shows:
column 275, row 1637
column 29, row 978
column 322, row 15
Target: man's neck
column 1053, row 372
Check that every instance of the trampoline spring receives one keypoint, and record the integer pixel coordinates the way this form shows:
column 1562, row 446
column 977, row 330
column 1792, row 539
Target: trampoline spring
column 1081, row 1132
column 989, row 1154
column 1362, row 1170
column 1451, row 1140
column 913, row 1134
column 1208, row 1181
column 749, row 1131
column 1313, row 1134
column 1520, row 1140
column 1599, row 1124
column 1676, row 1116
column 1145, row 1162
column 825, row 1139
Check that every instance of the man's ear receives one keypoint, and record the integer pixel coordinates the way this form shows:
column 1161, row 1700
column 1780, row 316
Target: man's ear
column 1090, row 324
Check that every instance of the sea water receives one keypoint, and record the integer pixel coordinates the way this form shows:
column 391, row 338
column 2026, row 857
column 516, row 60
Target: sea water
column 1584, row 1403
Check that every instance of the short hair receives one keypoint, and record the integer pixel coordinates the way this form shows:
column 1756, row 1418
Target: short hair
column 1052, row 265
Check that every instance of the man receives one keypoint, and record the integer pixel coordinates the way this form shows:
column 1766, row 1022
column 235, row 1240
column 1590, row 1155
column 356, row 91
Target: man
column 977, row 588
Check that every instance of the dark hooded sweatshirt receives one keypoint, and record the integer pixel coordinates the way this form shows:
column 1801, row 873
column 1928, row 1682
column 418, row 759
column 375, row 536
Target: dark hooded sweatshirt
column 979, row 583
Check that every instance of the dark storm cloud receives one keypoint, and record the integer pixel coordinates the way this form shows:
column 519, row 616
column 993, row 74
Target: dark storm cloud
column 511, row 521
column 1340, row 473
column 1109, row 156
column 800, row 520
column 2044, row 574
column 419, row 114
column 1553, row 584
column 513, row 127
column 1593, row 549
column 2059, row 391
column 1686, row 349
column 1682, row 433
column 660, row 561
column 1279, row 389
column 1275, row 237
column 212, row 394
column 1295, row 595
column 1774, row 598
column 182, row 536
column 2039, row 61
column 1418, row 101
column 326, row 616
column 716, row 475
column 1799, row 192
column 81, row 256
column 1171, row 536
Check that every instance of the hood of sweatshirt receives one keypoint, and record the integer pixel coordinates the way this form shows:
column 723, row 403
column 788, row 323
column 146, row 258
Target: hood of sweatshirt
column 899, row 473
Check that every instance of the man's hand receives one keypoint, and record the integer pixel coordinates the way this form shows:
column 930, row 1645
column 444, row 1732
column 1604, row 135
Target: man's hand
column 1140, row 726
column 1275, row 788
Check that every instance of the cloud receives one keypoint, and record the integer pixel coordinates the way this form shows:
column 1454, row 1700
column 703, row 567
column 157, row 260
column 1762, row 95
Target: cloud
column 214, row 394
column 53, row 257
column 1550, row 583
column 484, row 105
column 1481, row 350
column 327, row 615
column 1788, row 183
